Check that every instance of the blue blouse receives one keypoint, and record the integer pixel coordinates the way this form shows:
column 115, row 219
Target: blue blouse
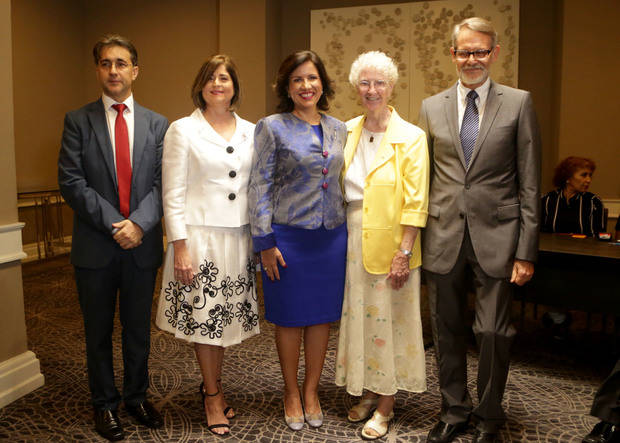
column 294, row 180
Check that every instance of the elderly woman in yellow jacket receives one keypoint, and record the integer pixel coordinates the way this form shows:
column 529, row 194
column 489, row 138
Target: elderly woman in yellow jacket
column 385, row 181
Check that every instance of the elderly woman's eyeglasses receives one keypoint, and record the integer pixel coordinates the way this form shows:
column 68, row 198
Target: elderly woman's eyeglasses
column 378, row 84
column 479, row 54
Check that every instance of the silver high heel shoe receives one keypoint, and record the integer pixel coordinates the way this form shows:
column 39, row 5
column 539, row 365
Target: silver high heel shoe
column 294, row 423
column 314, row 420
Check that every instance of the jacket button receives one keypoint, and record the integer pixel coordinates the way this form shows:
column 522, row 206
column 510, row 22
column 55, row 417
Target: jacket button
column 325, row 154
column 325, row 185
column 461, row 214
column 230, row 149
column 231, row 196
column 467, row 186
column 232, row 174
column 325, row 171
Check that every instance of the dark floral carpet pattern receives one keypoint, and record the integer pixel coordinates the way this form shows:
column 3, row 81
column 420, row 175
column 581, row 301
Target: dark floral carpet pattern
column 547, row 399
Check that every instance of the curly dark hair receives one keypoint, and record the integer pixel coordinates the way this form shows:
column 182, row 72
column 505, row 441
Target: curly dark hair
column 567, row 167
column 291, row 63
column 204, row 74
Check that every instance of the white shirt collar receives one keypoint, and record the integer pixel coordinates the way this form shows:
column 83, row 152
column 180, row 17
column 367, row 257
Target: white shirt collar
column 482, row 91
column 109, row 101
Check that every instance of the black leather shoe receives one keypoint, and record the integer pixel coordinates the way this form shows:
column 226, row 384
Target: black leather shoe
column 146, row 414
column 603, row 432
column 108, row 425
column 445, row 432
column 484, row 437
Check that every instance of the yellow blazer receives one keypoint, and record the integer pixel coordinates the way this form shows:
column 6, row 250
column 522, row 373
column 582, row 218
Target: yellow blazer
column 395, row 190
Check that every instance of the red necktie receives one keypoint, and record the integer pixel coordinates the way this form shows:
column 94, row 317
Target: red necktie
column 123, row 163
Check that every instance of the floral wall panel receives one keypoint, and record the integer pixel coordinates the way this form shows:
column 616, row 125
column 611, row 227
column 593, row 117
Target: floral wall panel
column 432, row 69
column 340, row 35
column 417, row 36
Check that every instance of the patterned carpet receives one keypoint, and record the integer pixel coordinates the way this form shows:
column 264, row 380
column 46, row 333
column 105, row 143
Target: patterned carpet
column 547, row 399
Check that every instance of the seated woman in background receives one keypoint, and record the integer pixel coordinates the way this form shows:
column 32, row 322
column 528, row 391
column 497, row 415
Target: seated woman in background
column 571, row 208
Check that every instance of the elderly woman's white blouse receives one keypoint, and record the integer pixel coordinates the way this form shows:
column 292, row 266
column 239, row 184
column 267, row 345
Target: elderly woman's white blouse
column 357, row 172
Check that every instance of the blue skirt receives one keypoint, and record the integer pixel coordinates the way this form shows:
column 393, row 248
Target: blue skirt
column 311, row 287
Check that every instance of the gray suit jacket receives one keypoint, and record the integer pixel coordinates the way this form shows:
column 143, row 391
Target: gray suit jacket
column 87, row 180
column 497, row 196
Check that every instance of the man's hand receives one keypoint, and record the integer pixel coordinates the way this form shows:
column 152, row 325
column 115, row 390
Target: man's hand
column 522, row 272
column 129, row 234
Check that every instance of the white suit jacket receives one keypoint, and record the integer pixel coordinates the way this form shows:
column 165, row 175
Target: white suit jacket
column 204, row 177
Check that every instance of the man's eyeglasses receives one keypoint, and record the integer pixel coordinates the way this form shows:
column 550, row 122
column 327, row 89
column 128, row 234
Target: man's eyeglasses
column 479, row 54
column 121, row 65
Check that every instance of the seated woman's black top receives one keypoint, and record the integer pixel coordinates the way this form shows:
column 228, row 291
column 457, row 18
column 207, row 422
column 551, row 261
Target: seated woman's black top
column 581, row 214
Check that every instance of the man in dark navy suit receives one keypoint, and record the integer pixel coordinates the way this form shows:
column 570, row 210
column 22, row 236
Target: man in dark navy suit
column 109, row 172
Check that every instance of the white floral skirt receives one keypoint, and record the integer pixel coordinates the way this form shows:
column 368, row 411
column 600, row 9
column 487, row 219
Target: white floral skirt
column 380, row 346
column 219, row 307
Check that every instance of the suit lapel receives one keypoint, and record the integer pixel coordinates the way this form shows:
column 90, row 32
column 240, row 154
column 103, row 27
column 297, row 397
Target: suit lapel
column 139, row 139
column 97, row 120
column 452, row 116
column 491, row 108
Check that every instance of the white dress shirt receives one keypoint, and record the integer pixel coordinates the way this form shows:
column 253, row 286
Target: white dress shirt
column 111, row 114
column 203, row 184
column 355, row 177
column 481, row 101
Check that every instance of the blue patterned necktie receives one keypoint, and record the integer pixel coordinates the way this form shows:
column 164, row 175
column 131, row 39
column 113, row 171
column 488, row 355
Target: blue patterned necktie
column 469, row 128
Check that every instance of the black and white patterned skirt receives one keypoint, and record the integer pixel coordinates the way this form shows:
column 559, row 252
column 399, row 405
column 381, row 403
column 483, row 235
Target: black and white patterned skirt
column 219, row 307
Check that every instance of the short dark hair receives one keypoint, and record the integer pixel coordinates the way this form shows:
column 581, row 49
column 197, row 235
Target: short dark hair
column 115, row 40
column 567, row 167
column 204, row 74
column 291, row 63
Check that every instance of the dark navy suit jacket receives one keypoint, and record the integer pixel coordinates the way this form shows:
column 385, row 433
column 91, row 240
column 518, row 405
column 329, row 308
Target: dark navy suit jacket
column 87, row 179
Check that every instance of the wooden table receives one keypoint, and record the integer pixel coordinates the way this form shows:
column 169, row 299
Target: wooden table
column 575, row 273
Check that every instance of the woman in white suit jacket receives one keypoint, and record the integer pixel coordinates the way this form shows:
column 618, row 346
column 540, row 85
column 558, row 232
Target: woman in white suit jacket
column 208, row 292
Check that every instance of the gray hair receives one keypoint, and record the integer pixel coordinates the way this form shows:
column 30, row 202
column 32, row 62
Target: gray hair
column 377, row 60
column 477, row 24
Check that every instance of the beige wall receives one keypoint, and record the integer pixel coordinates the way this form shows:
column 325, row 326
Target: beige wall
column 242, row 36
column 589, row 96
column 561, row 43
column 13, row 326
column 47, row 66
column 172, row 37
column 54, row 73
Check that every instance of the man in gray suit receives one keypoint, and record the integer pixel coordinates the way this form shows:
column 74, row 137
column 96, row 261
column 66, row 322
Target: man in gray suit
column 483, row 225
column 109, row 172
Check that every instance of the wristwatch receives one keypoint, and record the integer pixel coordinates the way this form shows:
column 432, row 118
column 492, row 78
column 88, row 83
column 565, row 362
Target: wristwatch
column 407, row 252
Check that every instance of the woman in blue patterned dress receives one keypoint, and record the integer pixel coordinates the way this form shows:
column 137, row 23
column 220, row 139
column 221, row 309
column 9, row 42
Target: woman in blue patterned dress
column 298, row 225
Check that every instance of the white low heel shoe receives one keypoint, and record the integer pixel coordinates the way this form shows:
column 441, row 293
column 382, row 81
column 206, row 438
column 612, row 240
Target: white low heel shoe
column 378, row 423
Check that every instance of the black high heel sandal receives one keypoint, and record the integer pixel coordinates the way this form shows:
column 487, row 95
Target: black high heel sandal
column 227, row 409
column 217, row 425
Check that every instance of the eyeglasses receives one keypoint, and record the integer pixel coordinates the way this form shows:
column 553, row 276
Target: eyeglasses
column 378, row 84
column 120, row 64
column 479, row 54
